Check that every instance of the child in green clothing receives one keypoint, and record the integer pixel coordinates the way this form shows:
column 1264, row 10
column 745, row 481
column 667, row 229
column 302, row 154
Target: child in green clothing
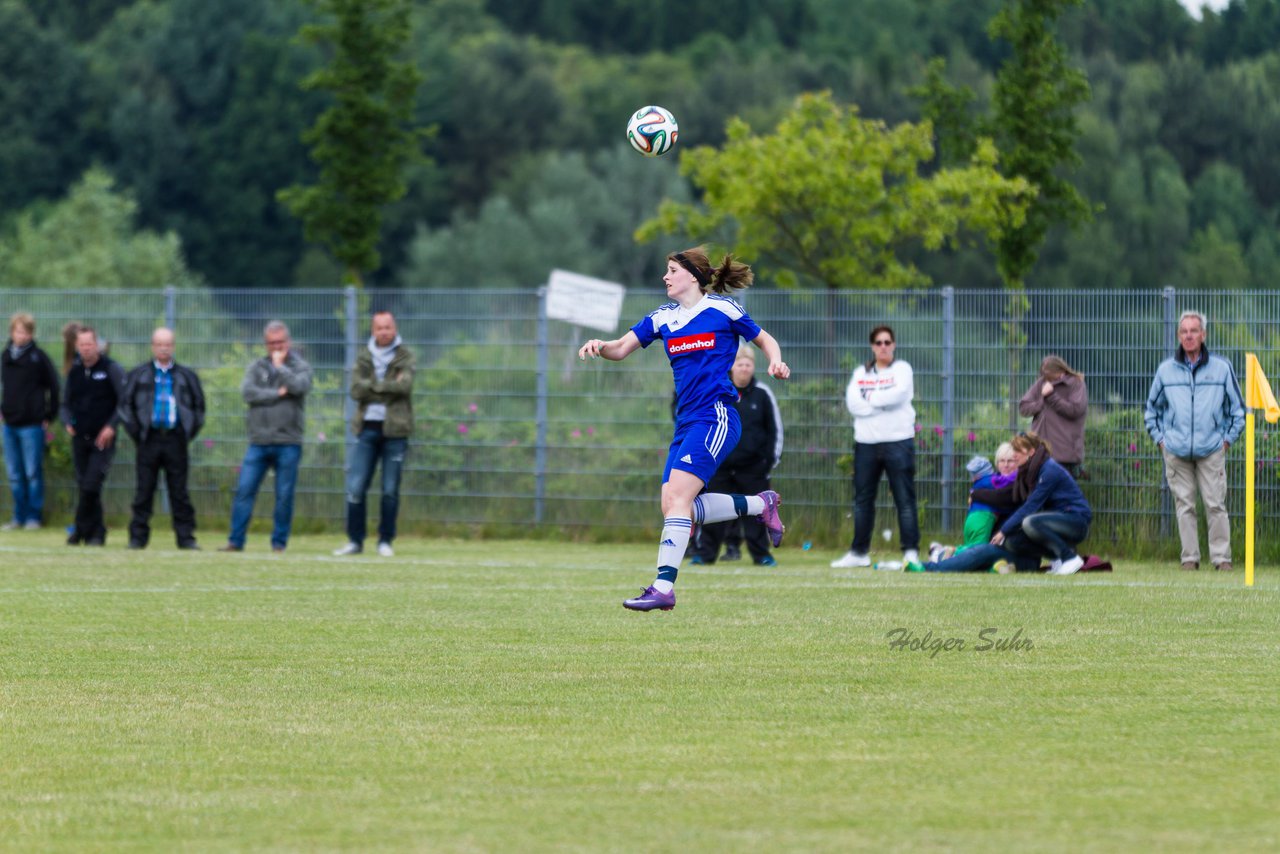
column 980, row 521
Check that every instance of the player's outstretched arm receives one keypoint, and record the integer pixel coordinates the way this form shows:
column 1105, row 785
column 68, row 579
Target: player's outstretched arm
column 615, row 350
column 769, row 345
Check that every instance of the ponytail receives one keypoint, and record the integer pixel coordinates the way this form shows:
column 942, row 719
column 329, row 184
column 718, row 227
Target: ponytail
column 731, row 275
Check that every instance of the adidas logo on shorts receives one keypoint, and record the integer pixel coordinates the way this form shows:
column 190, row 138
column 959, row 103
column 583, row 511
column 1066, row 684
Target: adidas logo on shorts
column 687, row 459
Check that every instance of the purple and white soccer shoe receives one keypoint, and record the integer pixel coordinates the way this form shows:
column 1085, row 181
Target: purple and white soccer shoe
column 769, row 518
column 650, row 600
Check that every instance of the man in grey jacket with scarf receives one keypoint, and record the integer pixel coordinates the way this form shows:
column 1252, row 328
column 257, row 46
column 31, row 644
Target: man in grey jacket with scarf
column 382, row 387
column 1195, row 413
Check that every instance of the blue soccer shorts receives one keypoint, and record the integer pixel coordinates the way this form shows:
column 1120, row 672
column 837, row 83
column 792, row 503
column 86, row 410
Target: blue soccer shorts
column 702, row 442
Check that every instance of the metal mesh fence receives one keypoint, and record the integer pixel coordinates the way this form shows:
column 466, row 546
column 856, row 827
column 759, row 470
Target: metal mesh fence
column 479, row 459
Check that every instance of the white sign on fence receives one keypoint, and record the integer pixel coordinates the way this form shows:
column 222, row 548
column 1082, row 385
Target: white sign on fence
column 584, row 301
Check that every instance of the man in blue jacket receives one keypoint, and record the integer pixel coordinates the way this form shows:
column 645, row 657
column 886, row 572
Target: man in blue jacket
column 1194, row 413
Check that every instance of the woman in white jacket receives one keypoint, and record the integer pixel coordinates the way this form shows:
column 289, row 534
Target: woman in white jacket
column 884, row 429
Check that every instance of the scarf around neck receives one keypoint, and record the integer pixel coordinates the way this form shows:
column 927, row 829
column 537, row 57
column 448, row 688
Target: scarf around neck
column 382, row 356
column 1028, row 474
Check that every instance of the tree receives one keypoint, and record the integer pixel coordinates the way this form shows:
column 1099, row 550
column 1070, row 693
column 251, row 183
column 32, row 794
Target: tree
column 45, row 94
column 364, row 141
column 203, row 118
column 1036, row 93
column 1033, row 121
column 90, row 239
column 565, row 210
column 832, row 198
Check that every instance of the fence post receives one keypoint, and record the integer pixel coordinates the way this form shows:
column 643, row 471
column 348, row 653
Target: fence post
column 1170, row 341
column 540, row 453
column 350, row 335
column 948, row 399
column 170, row 306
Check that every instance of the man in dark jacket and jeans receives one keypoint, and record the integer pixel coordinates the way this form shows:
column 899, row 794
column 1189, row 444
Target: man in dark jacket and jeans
column 382, row 387
column 162, row 409
column 94, row 386
column 29, row 404
column 275, row 388
column 746, row 470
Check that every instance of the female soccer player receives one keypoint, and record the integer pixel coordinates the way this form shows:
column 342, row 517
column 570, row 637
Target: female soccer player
column 699, row 329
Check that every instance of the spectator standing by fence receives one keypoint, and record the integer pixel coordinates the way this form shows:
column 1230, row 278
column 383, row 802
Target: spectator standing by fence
column 746, row 469
column 70, row 332
column 28, row 403
column 382, row 387
column 1057, row 403
column 162, row 409
column 275, row 389
column 90, row 402
column 879, row 398
column 1194, row 413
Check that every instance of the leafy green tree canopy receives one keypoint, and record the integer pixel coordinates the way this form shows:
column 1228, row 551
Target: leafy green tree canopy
column 566, row 210
column 1036, row 93
column 363, row 142
column 832, row 198
column 89, row 239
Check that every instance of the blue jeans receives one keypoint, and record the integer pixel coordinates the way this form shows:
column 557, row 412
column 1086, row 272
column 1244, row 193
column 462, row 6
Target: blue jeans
column 372, row 446
column 980, row 557
column 257, row 459
column 870, row 461
column 1056, row 533
column 24, row 458
column 973, row 559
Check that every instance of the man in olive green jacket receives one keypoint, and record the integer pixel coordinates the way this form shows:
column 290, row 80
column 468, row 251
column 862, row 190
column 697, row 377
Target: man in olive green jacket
column 382, row 387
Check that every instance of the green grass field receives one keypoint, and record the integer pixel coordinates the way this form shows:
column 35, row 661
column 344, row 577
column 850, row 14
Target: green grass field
column 495, row 696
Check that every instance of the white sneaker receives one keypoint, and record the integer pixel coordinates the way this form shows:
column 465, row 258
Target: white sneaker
column 851, row 559
column 1055, row 567
column 935, row 551
column 1071, row 566
column 911, row 556
column 385, row 550
column 348, row 549
column 32, row 525
column 10, row 526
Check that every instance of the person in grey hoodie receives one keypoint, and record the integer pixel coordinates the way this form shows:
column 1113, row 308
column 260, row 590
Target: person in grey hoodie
column 275, row 388
column 1195, row 413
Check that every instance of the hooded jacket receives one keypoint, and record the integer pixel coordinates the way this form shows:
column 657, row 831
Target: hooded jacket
column 1193, row 409
column 275, row 419
column 879, row 399
column 1058, row 417
column 760, row 445
column 1047, row 487
column 394, row 391
column 30, row 395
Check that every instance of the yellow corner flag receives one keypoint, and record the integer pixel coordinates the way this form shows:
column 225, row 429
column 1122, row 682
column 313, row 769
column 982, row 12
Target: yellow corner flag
column 1257, row 395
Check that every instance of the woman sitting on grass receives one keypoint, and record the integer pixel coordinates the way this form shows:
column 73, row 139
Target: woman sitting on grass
column 1053, row 517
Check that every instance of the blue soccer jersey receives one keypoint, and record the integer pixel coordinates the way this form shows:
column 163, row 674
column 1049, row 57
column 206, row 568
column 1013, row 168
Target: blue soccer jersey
column 702, row 344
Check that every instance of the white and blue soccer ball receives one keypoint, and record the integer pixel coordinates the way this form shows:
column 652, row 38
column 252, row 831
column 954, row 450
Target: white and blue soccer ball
column 652, row 131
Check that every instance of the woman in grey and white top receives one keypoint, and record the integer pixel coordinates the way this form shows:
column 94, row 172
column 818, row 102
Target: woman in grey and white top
column 884, row 427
